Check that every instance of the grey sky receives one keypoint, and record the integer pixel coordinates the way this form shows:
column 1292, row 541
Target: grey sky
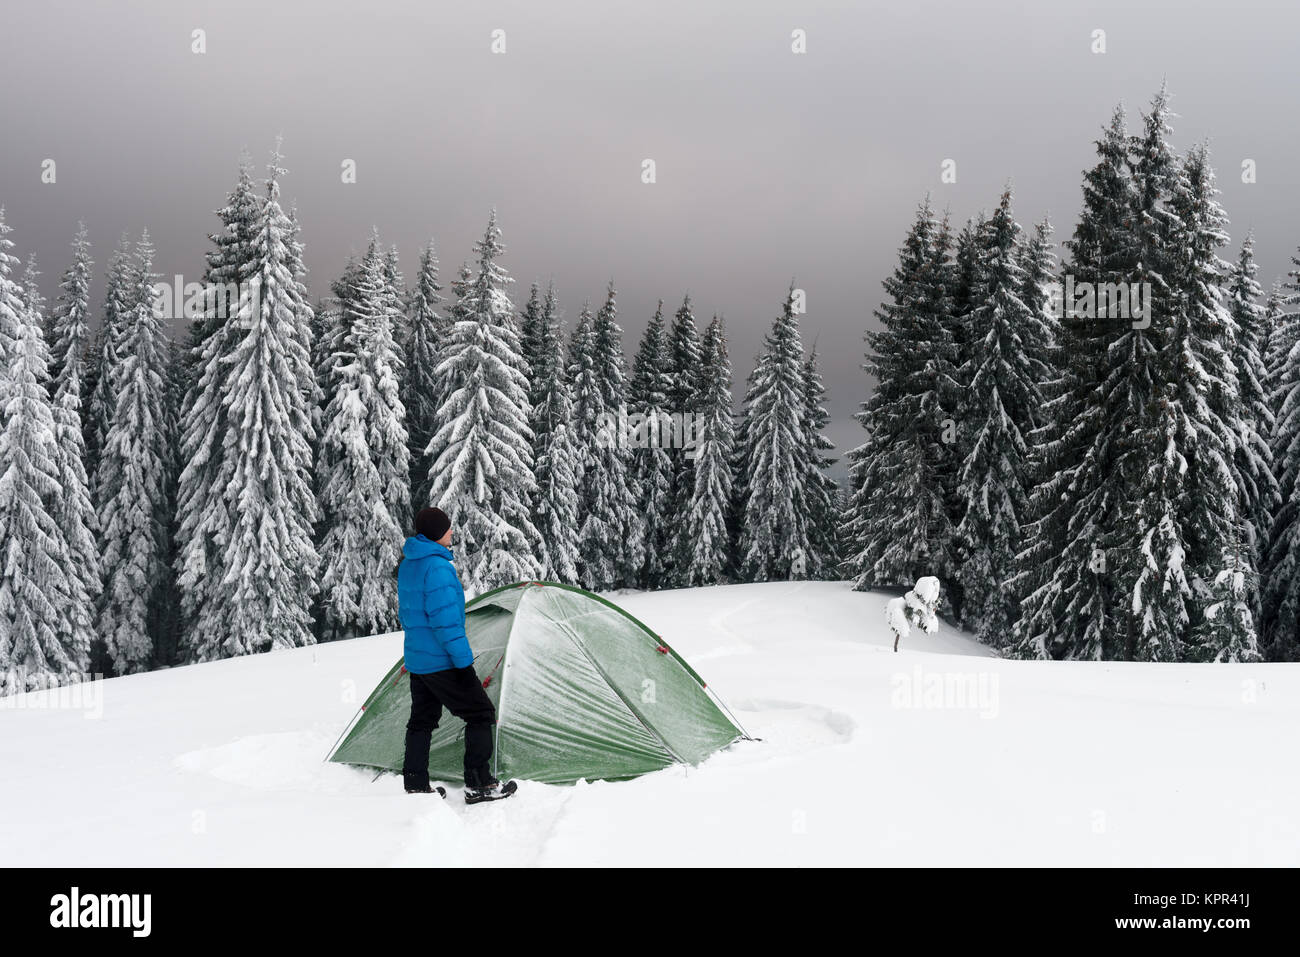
column 770, row 165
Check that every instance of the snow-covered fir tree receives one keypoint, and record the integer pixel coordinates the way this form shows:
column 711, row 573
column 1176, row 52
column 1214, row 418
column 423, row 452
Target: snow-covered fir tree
column 427, row 334
column 903, row 475
column 133, row 474
column 1135, row 510
column 228, row 266
column 457, row 311
column 34, row 589
column 69, row 326
column 1001, row 405
column 98, row 400
column 74, row 512
column 305, row 318
column 1282, row 562
column 1143, row 565
column 482, row 471
column 333, row 325
column 1149, row 550
column 707, row 524
column 33, row 301
column 555, row 464
column 651, row 440
column 1146, row 559
column 1257, row 493
column 247, row 563
column 1070, row 606
column 532, row 343
column 1229, row 625
column 968, row 288
column 1038, row 265
column 395, row 296
column 1281, row 332
column 1209, row 420
column 364, row 490
column 774, row 537
column 684, row 397
column 820, row 490
column 596, row 568
column 167, row 650
column 611, row 539
column 843, row 544
column 1067, row 597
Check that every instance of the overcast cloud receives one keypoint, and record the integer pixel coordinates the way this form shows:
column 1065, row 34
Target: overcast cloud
column 771, row 165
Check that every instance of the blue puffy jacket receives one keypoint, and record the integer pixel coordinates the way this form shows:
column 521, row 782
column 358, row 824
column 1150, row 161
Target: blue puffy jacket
column 431, row 604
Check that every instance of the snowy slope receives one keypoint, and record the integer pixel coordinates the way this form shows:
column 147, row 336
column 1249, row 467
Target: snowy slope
column 865, row 759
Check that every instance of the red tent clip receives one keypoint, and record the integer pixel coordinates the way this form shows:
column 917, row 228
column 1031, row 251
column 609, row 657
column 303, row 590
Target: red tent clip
column 662, row 649
column 487, row 681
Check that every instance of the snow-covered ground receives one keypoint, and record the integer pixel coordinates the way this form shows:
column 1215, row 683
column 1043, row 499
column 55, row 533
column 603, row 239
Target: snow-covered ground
column 939, row 754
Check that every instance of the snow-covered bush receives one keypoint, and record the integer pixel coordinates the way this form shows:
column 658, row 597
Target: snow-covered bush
column 915, row 609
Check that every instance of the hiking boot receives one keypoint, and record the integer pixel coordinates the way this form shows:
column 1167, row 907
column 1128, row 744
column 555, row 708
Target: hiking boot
column 481, row 786
column 423, row 787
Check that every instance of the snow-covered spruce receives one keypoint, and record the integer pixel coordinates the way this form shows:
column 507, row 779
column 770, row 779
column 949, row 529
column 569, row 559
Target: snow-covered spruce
column 482, row 471
column 33, row 301
column 708, row 528
column 1257, row 492
column 820, row 490
column 774, row 542
column 1135, row 514
column 685, row 398
column 652, row 467
column 611, row 539
column 1001, row 408
column 555, row 467
column 1211, row 422
column 247, row 563
column 1282, row 564
column 74, row 511
column 1150, row 565
column 98, row 400
column 228, row 262
column 1067, row 608
column 365, row 486
column 427, row 332
column 903, row 475
column 35, row 593
column 595, row 564
column 132, row 479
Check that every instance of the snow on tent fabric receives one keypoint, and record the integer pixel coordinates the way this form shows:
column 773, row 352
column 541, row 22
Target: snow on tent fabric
column 582, row 690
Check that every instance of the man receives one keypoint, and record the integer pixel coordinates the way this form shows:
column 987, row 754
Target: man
column 431, row 604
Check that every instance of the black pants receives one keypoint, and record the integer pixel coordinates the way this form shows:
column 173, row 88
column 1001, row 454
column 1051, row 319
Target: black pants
column 460, row 692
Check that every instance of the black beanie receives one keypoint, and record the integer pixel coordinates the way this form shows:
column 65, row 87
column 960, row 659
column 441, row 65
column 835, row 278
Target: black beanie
column 432, row 523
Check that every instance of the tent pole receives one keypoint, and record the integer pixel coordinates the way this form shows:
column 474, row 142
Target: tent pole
column 734, row 720
column 346, row 729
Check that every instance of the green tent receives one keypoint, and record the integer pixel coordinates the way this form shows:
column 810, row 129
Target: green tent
column 582, row 690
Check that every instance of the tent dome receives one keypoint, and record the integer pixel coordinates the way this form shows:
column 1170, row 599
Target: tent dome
column 582, row 690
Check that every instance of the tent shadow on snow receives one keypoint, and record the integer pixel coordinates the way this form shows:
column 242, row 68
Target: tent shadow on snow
column 582, row 690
